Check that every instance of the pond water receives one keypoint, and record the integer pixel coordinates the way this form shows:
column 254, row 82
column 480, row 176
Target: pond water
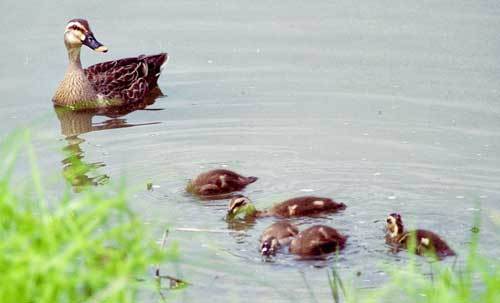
column 387, row 106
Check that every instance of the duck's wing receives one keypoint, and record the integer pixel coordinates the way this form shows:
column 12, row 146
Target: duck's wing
column 129, row 79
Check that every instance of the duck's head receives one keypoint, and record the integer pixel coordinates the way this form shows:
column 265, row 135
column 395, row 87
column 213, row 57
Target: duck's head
column 78, row 33
column 240, row 207
column 394, row 225
column 269, row 246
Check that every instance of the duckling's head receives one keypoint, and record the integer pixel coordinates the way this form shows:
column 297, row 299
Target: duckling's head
column 340, row 205
column 269, row 246
column 190, row 187
column 78, row 33
column 240, row 207
column 394, row 225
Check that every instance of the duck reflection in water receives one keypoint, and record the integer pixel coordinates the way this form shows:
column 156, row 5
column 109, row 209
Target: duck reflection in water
column 76, row 170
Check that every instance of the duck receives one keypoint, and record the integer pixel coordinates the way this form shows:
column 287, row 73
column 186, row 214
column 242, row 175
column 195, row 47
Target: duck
column 317, row 240
column 111, row 83
column 275, row 236
column 426, row 242
column 218, row 183
column 240, row 207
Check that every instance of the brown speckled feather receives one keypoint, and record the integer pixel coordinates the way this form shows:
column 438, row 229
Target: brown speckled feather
column 129, row 79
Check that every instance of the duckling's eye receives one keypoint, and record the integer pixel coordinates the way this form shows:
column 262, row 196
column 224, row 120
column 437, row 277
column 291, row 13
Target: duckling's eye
column 389, row 221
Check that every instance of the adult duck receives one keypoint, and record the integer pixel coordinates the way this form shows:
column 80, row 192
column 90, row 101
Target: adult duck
column 110, row 83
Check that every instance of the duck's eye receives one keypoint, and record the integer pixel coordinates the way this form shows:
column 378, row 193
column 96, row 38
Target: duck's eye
column 389, row 221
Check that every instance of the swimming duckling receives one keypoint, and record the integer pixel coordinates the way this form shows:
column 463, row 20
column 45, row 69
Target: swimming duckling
column 425, row 241
column 317, row 240
column 240, row 207
column 277, row 235
column 218, row 182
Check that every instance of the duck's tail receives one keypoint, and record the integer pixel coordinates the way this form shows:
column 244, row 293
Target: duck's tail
column 156, row 63
column 251, row 179
column 448, row 252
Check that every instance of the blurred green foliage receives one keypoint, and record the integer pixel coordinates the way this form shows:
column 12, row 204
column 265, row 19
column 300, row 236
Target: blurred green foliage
column 85, row 247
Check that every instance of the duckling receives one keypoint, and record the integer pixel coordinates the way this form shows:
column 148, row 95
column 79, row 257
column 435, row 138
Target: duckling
column 317, row 240
column 425, row 241
column 275, row 236
column 105, row 84
column 241, row 207
column 218, row 182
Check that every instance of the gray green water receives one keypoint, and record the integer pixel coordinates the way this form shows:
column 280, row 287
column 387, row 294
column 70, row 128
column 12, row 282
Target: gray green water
column 387, row 106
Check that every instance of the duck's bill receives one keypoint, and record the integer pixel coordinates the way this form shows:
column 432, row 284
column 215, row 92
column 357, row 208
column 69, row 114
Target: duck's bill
column 91, row 42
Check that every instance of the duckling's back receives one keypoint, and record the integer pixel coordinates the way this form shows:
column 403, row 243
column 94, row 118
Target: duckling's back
column 306, row 206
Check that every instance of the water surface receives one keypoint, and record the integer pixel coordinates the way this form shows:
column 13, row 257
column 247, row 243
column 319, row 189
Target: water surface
column 385, row 106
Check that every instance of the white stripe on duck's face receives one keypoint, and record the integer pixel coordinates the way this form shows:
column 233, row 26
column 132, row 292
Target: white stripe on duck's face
column 240, row 208
column 74, row 37
column 392, row 227
column 269, row 246
column 75, row 32
column 73, row 25
column 238, row 203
